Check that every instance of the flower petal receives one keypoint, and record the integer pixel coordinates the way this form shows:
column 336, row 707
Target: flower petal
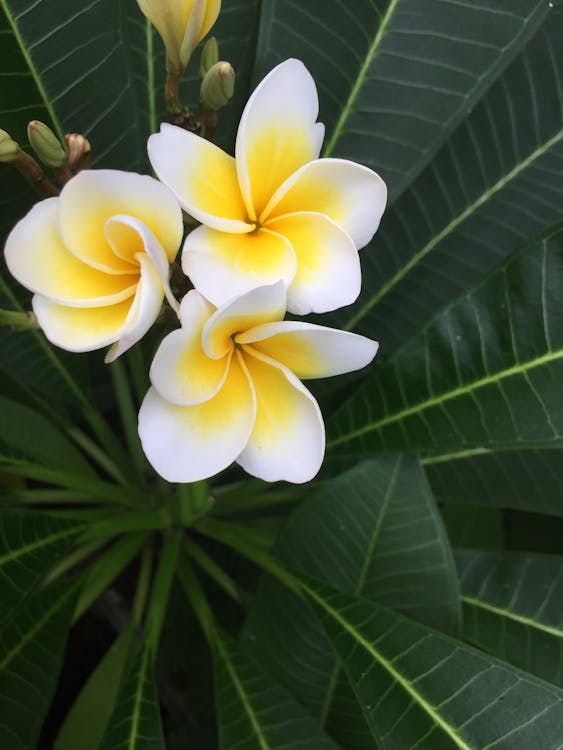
column 328, row 268
column 288, row 439
column 308, row 350
column 202, row 177
column 261, row 305
column 126, row 234
column 80, row 329
column 144, row 310
column 93, row 196
column 222, row 266
column 181, row 372
column 189, row 443
column 351, row 195
column 38, row 259
column 277, row 133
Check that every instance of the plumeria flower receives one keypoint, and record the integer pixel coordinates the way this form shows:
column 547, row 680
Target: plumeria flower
column 276, row 211
column 226, row 387
column 97, row 258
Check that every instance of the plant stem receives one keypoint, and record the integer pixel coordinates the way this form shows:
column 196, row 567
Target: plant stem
column 143, row 583
column 193, row 502
column 192, row 588
column 160, row 592
column 213, row 570
column 128, row 415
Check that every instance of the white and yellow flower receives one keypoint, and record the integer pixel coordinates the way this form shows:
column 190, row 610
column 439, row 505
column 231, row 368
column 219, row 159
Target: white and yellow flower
column 277, row 211
column 97, row 258
column 226, row 387
column 181, row 24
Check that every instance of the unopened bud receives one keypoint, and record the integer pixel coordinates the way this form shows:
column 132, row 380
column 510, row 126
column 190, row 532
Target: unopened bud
column 9, row 149
column 209, row 56
column 218, row 85
column 46, row 144
column 78, row 146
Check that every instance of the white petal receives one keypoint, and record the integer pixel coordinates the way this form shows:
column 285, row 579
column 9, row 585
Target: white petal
column 277, row 133
column 222, row 266
column 38, row 259
column 261, row 305
column 351, row 195
column 125, row 234
column 189, row 443
column 328, row 268
column 181, row 372
column 144, row 310
column 308, row 350
column 288, row 439
column 80, row 329
column 202, row 177
column 93, row 196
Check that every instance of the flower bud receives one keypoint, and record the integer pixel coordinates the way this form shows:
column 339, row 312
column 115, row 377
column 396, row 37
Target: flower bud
column 9, row 149
column 181, row 24
column 218, row 85
column 78, row 146
column 46, row 144
column 209, row 56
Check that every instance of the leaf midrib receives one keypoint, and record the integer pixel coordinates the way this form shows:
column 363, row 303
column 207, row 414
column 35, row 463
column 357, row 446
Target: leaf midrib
column 459, row 391
column 264, row 745
column 508, row 614
column 137, row 701
column 372, row 52
column 329, row 697
column 45, row 541
column 416, row 696
column 448, row 229
column 32, row 69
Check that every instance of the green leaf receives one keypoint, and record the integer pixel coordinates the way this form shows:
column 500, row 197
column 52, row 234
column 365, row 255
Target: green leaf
column 135, row 723
column 471, row 526
column 376, row 532
column 254, row 712
column 485, row 372
column 527, row 480
column 512, row 608
column 396, row 76
column 87, row 720
column 31, row 650
column 30, row 543
column 36, row 437
column 419, row 688
column 494, row 183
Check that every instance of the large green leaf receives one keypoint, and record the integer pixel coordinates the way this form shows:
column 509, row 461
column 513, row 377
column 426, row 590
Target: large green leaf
column 30, row 543
column 486, row 372
column 253, row 712
column 135, row 723
column 36, row 437
column 31, row 649
column 419, row 688
column 527, row 480
column 375, row 531
column 512, row 608
column 395, row 76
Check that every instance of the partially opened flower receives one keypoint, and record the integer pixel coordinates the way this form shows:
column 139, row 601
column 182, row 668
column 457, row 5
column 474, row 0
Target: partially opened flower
column 97, row 258
column 277, row 211
column 181, row 24
column 226, row 387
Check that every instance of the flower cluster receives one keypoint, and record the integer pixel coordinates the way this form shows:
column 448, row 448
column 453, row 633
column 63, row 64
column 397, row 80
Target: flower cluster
column 280, row 230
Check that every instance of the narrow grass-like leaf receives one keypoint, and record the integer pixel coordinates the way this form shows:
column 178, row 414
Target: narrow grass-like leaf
column 30, row 543
column 512, row 608
column 376, row 532
column 486, row 372
column 253, row 712
column 420, row 689
column 31, row 649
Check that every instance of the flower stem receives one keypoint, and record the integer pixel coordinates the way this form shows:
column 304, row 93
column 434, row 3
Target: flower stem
column 161, row 588
column 128, row 415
